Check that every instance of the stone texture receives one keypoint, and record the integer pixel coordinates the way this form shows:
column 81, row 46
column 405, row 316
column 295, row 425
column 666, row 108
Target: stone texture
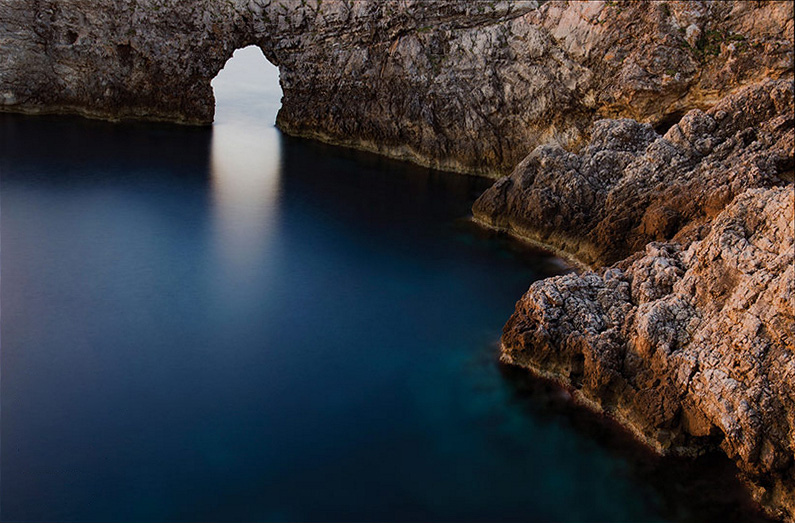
column 691, row 347
column 658, row 135
column 629, row 186
column 689, row 338
column 466, row 86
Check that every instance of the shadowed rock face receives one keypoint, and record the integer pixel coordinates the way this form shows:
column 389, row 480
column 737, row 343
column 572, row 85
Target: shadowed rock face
column 467, row 86
column 630, row 186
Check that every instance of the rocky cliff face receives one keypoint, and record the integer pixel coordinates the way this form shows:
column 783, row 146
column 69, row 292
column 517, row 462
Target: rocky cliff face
column 630, row 186
column 656, row 137
column 690, row 346
column 690, row 341
column 467, row 86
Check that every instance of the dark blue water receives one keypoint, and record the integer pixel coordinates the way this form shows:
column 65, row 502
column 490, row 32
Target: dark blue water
column 229, row 324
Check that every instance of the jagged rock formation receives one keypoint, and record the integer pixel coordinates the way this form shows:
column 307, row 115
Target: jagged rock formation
column 460, row 85
column 630, row 186
column 691, row 342
column 689, row 339
column 691, row 347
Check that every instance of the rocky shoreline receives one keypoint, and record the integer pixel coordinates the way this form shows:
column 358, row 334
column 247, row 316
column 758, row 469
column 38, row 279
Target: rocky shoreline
column 464, row 86
column 688, row 339
column 646, row 343
column 652, row 142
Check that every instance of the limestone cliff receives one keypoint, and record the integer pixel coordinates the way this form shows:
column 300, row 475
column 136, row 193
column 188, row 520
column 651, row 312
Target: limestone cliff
column 630, row 186
column 691, row 344
column 656, row 137
column 691, row 340
column 691, row 347
column 460, row 85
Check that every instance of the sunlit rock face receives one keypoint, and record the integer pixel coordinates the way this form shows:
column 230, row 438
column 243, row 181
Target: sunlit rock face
column 692, row 347
column 690, row 341
column 468, row 86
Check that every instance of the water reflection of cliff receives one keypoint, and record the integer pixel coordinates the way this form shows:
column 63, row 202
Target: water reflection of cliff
column 245, row 161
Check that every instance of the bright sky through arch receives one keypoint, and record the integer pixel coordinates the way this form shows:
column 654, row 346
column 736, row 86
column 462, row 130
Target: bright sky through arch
column 247, row 88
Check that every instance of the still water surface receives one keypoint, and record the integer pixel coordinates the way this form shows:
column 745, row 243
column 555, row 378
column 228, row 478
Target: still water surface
column 230, row 324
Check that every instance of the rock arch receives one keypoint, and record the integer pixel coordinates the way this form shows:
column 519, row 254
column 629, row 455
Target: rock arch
column 400, row 78
column 457, row 85
column 247, row 75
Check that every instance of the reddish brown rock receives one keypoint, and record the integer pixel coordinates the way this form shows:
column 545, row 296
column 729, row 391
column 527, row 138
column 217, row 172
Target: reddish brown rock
column 692, row 347
column 689, row 339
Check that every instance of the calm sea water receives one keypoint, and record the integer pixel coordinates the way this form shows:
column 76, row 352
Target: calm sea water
column 227, row 324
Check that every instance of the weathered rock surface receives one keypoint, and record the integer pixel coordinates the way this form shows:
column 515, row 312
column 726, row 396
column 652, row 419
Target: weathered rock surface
column 657, row 133
column 690, row 341
column 691, row 347
column 630, row 186
column 460, row 85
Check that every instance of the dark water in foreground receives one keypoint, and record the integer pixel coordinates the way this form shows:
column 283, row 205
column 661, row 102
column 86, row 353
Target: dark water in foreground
column 227, row 324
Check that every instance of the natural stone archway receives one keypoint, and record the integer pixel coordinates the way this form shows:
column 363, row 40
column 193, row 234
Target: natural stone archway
column 247, row 89
column 475, row 87
column 458, row 85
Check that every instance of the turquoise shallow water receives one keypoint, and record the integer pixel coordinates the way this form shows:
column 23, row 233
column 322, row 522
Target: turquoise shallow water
column 228, row 324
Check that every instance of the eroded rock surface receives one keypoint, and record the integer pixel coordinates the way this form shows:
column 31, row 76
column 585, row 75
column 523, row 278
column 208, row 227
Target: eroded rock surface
column 690, row 341
column 630, row 186
column 692, row 347
column 460, row 85
column 657, row 133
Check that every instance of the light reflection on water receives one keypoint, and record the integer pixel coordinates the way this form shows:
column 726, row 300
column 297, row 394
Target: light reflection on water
column 245, row 158
column 230, row 325
column 244, row 166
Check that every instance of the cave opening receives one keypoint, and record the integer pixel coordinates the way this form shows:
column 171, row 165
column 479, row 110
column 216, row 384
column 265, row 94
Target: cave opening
column 668, row 121
column 247, row 89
